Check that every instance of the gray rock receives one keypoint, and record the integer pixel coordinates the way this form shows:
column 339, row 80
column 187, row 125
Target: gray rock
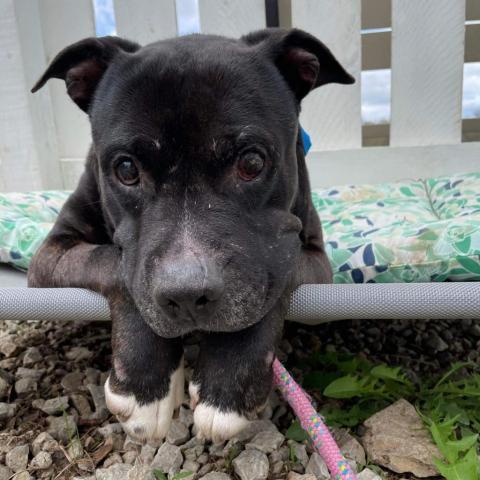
column 4, row 387
column 300, row 452
column 253, row 428
column 168, row 459
column 44, row 442
column 9, row 345
column 7, row 410
column 25, row 385
column 266, row 442
column 112, row 459
column 115, row 472
column 109, row 429
column 147, row 454
column 277, row 468
column 76, row 354
column 367, row 474
column 435, row 342
column 5, row 473
column 216, row 476
column 98, row 394
column 350, row 446
column 55, row 406
column 81, row 404
column 190, row 466
column 41, row 461
column 251, row 465
column 35, row 373
column 185, row 415
column 75, row 449
column 17, row 458
column 178, row 433
column 73, row 381
column 297, row 476
column 316, row 466
column 130, row 456
column 141, row 472
column 32, row 356
column 396, row 438
column 22, row 476
column 62, row 428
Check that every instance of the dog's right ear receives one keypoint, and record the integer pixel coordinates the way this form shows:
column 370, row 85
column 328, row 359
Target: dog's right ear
column 83, row 64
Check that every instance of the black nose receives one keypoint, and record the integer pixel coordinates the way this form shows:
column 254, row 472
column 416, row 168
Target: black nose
column 189, row 288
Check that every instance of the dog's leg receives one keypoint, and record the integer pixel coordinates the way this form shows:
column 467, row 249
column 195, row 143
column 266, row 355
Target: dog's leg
column 146, row 383
column 233, row 377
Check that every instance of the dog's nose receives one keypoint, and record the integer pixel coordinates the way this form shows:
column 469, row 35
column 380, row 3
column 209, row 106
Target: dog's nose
column 189, row 288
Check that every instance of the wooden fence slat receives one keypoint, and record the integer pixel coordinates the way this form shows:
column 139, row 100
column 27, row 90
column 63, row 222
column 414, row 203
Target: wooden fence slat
column 332, row 114
column 231, row 18
column 427, row 71
column 145, row 21
column 63, row 23
column 28, row 150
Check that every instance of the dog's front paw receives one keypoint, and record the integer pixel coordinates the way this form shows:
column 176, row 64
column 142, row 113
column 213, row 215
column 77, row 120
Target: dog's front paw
column 217, row 425
column 146, row 421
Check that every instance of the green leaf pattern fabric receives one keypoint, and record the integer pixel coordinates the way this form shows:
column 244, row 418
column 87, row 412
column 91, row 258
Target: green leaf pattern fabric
column 412, row 231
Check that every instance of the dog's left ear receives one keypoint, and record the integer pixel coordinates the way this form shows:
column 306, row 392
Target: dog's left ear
column 303, row 60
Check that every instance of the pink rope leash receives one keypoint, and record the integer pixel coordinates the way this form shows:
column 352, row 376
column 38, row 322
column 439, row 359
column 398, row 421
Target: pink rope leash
column 312, row 423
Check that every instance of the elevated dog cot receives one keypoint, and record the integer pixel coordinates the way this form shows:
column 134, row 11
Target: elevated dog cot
column 398, row 250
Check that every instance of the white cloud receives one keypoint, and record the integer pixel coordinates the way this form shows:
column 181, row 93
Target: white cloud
column 188, row 19
column 104, row 17
column 471, row 90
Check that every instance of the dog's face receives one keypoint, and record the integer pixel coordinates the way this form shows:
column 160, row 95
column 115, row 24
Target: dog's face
column 196, row 147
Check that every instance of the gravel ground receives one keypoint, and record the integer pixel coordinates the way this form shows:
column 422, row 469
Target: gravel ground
column 54, row 423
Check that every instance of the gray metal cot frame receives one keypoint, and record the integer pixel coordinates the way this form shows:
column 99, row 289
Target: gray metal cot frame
column 310, row 304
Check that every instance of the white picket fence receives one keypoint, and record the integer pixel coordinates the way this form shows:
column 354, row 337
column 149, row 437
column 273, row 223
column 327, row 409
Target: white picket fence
column 44, row 137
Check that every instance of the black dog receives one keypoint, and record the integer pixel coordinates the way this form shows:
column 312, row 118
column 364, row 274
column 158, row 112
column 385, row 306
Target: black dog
column 193, row 214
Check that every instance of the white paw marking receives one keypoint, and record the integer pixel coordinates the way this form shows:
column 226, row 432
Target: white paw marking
column 216, row 425
column 193, row 391
column 150, row 421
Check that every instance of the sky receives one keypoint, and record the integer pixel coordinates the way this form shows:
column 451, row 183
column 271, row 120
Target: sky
column 375, row 83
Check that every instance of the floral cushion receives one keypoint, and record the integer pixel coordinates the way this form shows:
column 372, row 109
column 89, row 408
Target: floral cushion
column 414, row 231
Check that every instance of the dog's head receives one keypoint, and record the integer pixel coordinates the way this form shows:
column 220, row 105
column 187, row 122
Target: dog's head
column 195, row 145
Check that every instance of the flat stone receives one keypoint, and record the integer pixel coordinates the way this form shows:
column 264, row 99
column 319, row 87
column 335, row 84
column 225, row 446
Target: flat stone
column 115, row 472
column 190, row 466
column 73, row 381
column 32, row 356
column 9, row 345
column 41, row 461
column 350, row 446
column 147, row 454
column 266, row 441
column 298, row 476
column 300, row 452
column 367, row 474
column 5, row 473
column 17, row 458
column 141, row 472
column 22, row 476
column 216, row 476
column 62, row 428
column 81, row 404
column 396, row 438
column 7, row 410
column 76, row 354
column 4, row 388
column 178, row 433
column 253, row 428
column 55, row 406
column 110, row 429
column 112, row 459
column 98, row 395
column 44, row 442
column 25, row 386
column 251, row 465
column 204, row 470
column 168, row 459
column 316, row 466
column 185, row 415
column 35, row 373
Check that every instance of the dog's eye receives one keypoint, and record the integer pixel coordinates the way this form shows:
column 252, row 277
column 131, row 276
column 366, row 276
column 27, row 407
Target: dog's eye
column 250, row 166
column 126, row 171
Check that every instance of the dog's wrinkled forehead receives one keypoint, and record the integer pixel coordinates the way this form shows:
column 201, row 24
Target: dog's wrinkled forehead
column 194, row 95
